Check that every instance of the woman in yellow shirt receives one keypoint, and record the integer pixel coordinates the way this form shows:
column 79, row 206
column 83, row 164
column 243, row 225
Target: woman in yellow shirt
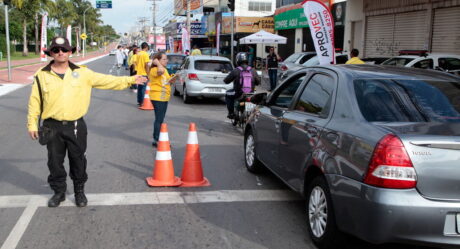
column 160, row 91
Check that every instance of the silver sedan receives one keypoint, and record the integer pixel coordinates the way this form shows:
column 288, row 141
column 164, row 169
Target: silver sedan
column 202, row 76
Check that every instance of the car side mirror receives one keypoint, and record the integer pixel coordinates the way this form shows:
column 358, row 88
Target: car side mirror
column 259, row 98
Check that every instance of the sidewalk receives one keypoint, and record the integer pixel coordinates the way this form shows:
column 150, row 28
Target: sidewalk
column 22, row 74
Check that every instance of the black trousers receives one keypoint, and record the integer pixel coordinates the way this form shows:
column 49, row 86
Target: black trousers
column 70, row 138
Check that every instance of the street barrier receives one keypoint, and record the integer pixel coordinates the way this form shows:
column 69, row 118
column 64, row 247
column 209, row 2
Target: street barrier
column 163, row 169
column 192, row 172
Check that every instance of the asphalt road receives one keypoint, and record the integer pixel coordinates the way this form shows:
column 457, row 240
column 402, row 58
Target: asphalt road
column 239, row 209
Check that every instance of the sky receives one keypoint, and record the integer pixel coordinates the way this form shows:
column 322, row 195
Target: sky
column 125, row 13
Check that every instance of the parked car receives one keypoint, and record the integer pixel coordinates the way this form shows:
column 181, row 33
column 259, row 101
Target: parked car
column 174, row 62
column 375, row 60
column 113, row 52
column 203, row 76
column 208, row 51
column 423, row 59
column 340, row 58
column 373, row 149
column 294, row 60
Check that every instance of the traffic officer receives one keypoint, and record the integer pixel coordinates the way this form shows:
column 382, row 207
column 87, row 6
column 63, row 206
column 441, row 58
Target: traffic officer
column 65, row 90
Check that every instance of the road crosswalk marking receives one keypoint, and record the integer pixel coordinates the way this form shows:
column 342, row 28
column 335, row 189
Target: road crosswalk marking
column 32, row 202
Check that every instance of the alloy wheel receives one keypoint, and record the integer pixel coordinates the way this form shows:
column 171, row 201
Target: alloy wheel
column 317, row 212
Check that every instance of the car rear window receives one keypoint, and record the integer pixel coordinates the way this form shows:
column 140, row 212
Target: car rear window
column 401, row 62
column 385, row 100
column 175, row 59
column 293, row 58
column 215, row 66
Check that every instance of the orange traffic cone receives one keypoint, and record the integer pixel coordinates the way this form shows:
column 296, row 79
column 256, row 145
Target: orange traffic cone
column 192, row 173
column 147, row 104
column 163, row 170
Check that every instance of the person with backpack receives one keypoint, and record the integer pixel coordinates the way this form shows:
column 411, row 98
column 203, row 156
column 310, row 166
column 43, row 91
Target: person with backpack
column 244, row 80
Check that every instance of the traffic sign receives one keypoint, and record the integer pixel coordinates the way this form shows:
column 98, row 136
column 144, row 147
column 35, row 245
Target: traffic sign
column 104, row 4
column 83, row 36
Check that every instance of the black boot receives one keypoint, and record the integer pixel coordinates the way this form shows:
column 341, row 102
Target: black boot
column 56, row 199
column 80, row 198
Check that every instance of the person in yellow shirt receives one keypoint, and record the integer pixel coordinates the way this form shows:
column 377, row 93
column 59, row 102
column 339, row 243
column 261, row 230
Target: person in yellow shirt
column 196, row 50
column 160, row 91
column 132, row 70
column 142, row 67
column 60, row 96
column 354, row 57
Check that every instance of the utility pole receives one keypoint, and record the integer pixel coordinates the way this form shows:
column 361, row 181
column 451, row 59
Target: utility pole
column 154, row 23
column 142, row 21
column 84, row 29
column 231, row 6
column 8, row 55
column 188, row 26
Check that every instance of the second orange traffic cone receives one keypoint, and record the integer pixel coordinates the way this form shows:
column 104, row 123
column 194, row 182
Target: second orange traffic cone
column 147, row 104
column 192, row 172
column 163, row 170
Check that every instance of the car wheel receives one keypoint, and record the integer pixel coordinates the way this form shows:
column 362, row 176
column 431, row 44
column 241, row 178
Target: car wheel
column 187, row 99
column 175, row 93
column 320, row 216
column 253, row 164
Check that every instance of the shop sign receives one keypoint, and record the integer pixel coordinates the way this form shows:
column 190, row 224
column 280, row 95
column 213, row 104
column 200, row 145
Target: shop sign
column 196, row 28
column 291, row 19
column 254, row 24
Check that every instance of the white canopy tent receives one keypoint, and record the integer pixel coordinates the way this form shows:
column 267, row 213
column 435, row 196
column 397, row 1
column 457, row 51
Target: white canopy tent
column 263, row 37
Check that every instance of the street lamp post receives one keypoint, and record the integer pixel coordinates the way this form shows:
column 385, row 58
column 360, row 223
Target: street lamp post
column 8, row 56
column 84, row 30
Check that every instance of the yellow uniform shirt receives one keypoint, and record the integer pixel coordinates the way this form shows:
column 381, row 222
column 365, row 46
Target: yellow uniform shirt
column 141, row 59
column 196, row 52
column 160, row 89
column 354, row 60
column 130, row 56
column 68, row 98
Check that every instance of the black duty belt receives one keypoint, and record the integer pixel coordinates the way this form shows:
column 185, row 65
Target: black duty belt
column 62, row 122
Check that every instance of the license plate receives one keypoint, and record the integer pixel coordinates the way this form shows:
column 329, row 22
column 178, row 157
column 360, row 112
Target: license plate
column 249, row 106
column 214, row 90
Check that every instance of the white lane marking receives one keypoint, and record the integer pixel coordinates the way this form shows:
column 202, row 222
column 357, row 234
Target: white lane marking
column 18, row 230
column 10, row 87
column 153, row 198
column 91, row 60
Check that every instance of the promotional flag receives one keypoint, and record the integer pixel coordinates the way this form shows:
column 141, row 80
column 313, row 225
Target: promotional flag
column 43, row 38
column 69, row 34
column 185, row 40
column 218, row 39
column 171, row 44
column 322, row 30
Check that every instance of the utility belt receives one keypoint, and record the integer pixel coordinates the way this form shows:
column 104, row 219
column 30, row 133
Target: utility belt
column 63, row 122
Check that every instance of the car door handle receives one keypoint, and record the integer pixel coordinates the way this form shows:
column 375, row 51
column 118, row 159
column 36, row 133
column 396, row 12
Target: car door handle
column 333, row 138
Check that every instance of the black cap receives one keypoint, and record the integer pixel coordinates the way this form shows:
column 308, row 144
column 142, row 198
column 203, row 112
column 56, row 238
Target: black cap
column 60, row 42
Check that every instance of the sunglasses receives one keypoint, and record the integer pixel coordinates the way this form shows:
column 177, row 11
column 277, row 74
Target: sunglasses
column 56, row 50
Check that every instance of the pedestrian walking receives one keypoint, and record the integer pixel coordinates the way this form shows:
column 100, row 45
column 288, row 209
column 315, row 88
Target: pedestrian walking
column 272, row 67
column 142, row 67
column 119, row 56
column 125, row 57
column 160, row 91
column 354, row 57
column 196, row 50
column 60, row 96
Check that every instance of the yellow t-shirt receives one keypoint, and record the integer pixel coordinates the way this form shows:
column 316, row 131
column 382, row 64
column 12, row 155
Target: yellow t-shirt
column 196, row 52
column 141, row 59
column 354, row 60
column 160, row 89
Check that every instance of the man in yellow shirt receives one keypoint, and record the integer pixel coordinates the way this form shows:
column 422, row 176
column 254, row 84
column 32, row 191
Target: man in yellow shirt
column 142, row 68
column 61, row 95
column 354, row 57
column 196, row 50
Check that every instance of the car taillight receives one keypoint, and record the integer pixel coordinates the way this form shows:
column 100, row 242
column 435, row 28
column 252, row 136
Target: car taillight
column 284, row 68
column 390, row 165
column 192, row 76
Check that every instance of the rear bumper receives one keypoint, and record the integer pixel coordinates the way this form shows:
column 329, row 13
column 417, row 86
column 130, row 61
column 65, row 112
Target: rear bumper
column 198, row 89
column 387, row 215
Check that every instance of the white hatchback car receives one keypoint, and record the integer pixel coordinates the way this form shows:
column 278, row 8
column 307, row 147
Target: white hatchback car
column 202, row 76
column 422, row 59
